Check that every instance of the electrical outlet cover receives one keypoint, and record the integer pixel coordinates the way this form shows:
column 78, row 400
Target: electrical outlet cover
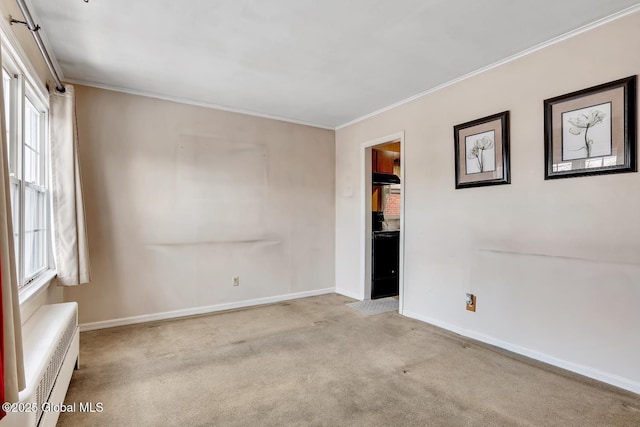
column 473, row 306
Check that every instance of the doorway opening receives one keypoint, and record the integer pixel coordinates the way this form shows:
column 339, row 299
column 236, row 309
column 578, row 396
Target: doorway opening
column 382, row 248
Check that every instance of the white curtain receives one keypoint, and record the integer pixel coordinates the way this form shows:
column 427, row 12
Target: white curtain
column 70, row 242
column 12, row 325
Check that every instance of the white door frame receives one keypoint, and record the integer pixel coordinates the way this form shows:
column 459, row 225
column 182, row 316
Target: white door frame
column 365, row 215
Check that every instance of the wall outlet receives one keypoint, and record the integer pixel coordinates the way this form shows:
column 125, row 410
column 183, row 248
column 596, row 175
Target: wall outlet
column 236, row 281
column 471, row 302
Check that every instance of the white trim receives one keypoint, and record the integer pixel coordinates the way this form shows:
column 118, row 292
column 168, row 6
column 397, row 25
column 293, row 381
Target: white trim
column 349, row 294
column 196, row 103
column 558, row 39
column 35, row 288
column 587, row 371
column 403, row 230
column 365, row 214
column 384, row 140
column 200, row 310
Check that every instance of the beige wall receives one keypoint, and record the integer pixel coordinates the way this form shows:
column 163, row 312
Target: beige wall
column 555, row 264
column 180, row 199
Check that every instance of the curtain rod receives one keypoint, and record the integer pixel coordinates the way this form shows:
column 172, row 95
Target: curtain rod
column 28, row 22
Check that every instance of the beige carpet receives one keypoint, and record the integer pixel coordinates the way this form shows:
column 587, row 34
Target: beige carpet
column 317, row 362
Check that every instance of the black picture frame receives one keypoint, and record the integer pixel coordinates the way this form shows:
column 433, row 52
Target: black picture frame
column 477, row 162
column 607, row 110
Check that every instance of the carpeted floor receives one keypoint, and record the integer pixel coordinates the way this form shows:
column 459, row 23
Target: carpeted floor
column 317, row 362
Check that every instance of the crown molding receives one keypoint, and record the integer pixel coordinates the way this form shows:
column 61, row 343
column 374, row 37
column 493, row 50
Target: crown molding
column 187, row 101
column 558, row 39
column 16, row 50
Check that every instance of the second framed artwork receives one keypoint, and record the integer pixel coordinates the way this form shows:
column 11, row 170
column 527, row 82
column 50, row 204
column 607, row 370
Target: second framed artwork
column 482, row 151
column 592, row 131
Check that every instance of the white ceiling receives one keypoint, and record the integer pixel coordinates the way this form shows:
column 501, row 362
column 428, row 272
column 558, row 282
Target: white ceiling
column 322, row 62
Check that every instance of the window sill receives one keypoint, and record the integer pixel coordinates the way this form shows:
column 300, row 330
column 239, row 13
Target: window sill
column 36, row 287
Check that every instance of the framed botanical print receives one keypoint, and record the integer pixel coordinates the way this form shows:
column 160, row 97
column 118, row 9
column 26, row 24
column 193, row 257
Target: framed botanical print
column 482, row 151
column 591, row 131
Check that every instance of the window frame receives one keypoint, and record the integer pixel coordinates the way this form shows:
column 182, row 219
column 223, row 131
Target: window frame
column 23, row 87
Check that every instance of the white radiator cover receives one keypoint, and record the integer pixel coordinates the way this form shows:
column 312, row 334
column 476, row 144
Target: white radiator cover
column 51, row 348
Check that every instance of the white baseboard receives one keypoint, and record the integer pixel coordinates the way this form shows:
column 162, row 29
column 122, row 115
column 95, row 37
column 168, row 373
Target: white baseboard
column 200, row 310
column 612, row 379
column 348, row 294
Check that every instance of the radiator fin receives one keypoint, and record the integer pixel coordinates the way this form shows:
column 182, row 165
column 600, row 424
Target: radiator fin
column 53, row 368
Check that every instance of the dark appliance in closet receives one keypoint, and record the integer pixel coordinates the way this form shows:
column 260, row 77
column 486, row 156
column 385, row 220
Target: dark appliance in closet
column 385, row 264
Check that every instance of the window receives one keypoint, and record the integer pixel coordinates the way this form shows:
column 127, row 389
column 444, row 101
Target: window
column 26, row 138
column 392, row 203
